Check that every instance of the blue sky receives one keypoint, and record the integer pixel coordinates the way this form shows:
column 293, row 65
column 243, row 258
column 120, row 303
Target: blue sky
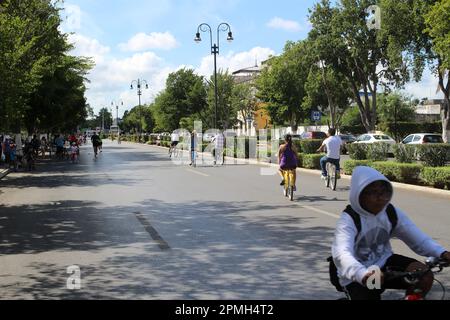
column 150, row 39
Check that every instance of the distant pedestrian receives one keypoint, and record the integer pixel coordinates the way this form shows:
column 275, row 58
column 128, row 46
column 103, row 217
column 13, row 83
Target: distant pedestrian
column 219, row 141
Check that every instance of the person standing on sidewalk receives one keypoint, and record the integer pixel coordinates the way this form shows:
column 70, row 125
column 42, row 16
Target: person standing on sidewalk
column 194, row 145
column 219, row 142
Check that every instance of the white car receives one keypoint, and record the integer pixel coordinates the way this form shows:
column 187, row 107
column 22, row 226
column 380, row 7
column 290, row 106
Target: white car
column 421, row 138
column 374, row 138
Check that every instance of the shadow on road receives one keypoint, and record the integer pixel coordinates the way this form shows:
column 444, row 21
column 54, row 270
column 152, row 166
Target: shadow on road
column 219, row 250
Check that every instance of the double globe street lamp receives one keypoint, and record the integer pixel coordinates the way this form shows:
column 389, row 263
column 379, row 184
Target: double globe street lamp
column 139, row 83
column 224, row 27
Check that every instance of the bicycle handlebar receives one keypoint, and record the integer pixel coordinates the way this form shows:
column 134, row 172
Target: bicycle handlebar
column 434, row 265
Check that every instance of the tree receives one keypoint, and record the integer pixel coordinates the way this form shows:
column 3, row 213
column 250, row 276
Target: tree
column 138, row 118
column 184, row 96
column 226, row 109
column 395, row 107
column 437, row 20
column 368, row 58
column 281, row 85
column 33, row 54
column 58, row 104
column 244, row 101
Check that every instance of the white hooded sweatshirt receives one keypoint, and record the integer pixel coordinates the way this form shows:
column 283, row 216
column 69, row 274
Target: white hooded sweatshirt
column 372, row 247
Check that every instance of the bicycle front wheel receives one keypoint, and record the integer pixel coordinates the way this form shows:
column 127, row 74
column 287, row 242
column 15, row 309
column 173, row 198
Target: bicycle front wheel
column 333, row 177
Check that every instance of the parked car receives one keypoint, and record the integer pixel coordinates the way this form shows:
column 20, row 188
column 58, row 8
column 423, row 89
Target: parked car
column 314, row 135
column 375, row 137
column 347, row 139
column 421, row 138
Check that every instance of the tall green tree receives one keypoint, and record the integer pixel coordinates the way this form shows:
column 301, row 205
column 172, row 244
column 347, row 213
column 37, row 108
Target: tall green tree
column 437, row 21
column 244, row 101
column 368, row 58
column 184, row 96
column 281, row 85
column 33, row 54
column 226, row 109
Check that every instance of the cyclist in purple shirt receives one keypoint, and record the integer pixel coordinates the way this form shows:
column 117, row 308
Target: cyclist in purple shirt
column 287, row 159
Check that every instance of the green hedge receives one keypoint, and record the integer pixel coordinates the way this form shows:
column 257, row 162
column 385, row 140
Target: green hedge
column 310, row 146
column 400, row 172
column 350, row 165
column 404, row 153
column 357, row 151
column 300, row 159
column 378, row 151
column 436, row 177
column 434, row 155
column 311, row 161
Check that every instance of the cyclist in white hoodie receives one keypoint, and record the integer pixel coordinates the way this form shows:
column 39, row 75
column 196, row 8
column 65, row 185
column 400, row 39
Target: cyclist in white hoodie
column 355, row 251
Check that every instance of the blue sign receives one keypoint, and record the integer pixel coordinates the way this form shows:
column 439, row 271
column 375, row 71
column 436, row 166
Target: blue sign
column 316, row 116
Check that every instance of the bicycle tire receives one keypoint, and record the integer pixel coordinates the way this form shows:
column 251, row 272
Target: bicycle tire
column 328, row 179
column 334, row 177
column 291, row 196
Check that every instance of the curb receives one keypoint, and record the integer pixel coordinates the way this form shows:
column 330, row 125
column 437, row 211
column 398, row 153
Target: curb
column 4, row 173
column 439, row 192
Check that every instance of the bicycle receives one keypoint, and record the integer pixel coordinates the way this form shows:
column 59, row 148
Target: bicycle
column 434, row 265
column 173, row 150
column 331, row 179
column 289, row 185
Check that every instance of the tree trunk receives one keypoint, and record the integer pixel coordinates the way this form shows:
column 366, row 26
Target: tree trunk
column 445, row 115
column 362, row 113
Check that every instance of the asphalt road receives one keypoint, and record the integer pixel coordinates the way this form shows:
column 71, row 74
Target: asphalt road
column 141, row 227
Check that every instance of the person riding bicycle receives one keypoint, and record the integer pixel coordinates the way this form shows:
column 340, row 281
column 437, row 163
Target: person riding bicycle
column 360, row 247
column 96, row 142
column 333, row 144
column 287, row 159
column 175, row 139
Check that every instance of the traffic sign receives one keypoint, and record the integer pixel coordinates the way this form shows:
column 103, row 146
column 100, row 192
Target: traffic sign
column 316, row 116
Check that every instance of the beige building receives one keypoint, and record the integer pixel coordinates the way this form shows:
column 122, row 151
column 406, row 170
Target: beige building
column 429, row 110
column 260, row 118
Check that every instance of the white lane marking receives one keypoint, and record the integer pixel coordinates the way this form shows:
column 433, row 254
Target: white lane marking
column 321, row 211
column 199, row 173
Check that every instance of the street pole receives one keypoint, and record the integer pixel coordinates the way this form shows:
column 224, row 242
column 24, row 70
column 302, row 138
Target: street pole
column 139, row 84
column 215, row 50
column 204, row 27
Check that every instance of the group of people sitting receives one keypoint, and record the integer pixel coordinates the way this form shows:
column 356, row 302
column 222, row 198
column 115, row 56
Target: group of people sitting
column 19, row 153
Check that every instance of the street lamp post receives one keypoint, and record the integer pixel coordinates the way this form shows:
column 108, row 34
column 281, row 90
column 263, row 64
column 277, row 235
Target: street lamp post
column 204, row 27
column 117, row 117
column 139, row 84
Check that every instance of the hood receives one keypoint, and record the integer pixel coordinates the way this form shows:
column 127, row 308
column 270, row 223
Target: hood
column 361, row 178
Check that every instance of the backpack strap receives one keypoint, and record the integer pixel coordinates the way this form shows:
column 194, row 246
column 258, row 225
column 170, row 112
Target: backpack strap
column 355, row 217
column 390, row 211
column 392, row 215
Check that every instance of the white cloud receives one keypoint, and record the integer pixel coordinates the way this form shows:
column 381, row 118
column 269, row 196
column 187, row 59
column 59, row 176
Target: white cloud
column 427, row 88
column 88, row 47
column 234, row 61
column 287, row 25
column 72, row 16
column 111, row 77
column 155, row 40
